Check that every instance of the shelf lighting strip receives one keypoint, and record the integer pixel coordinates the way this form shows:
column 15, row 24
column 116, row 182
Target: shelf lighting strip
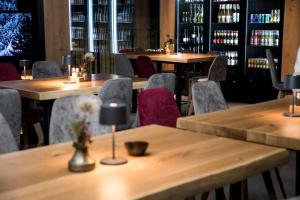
column 114, row 36
column 90, row 25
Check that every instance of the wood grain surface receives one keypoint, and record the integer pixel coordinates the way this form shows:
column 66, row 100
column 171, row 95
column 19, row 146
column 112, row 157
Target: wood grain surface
column 45, row 89
column 178, row 163
column 262, row 123
column 175, row 58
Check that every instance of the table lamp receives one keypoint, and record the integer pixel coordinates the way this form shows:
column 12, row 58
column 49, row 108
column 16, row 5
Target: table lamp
column 113, row 114
column 24, row 63
column 292, row 83
column 68, row 60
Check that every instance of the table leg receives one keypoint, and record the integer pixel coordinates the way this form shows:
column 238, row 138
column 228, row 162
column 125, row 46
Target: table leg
column 134, row 101
column 178, row 85
column 47, row 109
column 158, row 67
column 297, row 173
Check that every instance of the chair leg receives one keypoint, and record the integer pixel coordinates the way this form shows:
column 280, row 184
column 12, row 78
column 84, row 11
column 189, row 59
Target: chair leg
column 280, row 183
column 191, row 108
column 269, row 185
column 239, row 190
column 39, row 132
column 204, row 195
column 280, row 94
column 220, row 195
column 25, row 135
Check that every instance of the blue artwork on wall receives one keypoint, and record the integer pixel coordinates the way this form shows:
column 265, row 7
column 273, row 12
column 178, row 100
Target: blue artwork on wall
column 15, row 34
column 8, row 5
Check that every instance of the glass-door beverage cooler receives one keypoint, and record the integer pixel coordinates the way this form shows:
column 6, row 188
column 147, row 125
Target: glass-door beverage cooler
column 264, row 31
column 192, row 25
column 102, row 27
column 226, row 32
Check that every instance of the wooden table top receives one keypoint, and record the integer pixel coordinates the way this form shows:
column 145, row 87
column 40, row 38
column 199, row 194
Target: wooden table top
column 46, row 89
column 175, row 58
column 262, row 123
column 178, row 164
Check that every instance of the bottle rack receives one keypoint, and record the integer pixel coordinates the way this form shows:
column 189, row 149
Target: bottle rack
column 265, row 26
column 78, row 21
column 125, row 20
column 191, row 26
column 227, row 31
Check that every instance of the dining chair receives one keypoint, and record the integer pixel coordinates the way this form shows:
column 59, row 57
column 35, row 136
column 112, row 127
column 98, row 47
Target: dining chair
column 145, row 67
column 123, row 65
column 165, row 80
column 157, row 106
column 118, row 91
column 278, row 85
column 217, row 72
column 30, row 116
column 45, row 69
column 7, row 141
column 8, row 72
column 207, row 97
column 71, row 109
column 10, row 107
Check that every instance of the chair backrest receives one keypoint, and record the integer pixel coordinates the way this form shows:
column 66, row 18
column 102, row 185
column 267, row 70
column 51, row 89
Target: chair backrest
column 45, row 69
column 119, row 91
column 123, row 65
column 273, row 73
column 145, row 67
column 207, row 97
column 166, row 80
column 218, row 69
column 7, row 141
column 157, row 106
column 75, row 109
column 10, row 107
column 8, row 72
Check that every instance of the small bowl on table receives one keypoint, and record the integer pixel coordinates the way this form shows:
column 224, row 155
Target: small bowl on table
column 136, row 148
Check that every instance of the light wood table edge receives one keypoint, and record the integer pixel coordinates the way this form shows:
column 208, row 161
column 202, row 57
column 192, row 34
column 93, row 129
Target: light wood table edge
column 236, row 174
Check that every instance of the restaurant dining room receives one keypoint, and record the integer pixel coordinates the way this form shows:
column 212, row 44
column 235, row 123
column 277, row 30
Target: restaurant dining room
column 149, row 99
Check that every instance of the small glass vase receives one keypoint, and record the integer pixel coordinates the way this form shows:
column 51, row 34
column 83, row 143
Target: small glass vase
column 81, row 161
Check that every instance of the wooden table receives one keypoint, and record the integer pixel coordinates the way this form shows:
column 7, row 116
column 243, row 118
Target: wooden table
column 47, row 90
column 178, row 164
column 179, row 59
column 261, row 123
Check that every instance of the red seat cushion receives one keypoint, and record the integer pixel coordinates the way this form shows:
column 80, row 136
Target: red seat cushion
column 157, row 106
column 145, row 67
column 8, row 72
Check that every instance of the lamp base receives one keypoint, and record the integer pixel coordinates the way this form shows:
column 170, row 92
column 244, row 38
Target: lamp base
column 288, row 114
column 111, row 161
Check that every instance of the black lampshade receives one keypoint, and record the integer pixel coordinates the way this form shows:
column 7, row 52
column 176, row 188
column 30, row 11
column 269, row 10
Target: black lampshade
column 68, row 60
column 24, row 63
column 291, row 82
column 113, row 114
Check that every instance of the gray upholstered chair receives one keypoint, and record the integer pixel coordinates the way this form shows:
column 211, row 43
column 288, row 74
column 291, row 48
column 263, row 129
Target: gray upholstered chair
column 275, row 82
column 166, row 80
column 123, row 65
column 75, row 108
column 207, row 97
column 118, row 90
column 217, row 72
column 10, row 107
column 7, row 141
column 45, row 69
